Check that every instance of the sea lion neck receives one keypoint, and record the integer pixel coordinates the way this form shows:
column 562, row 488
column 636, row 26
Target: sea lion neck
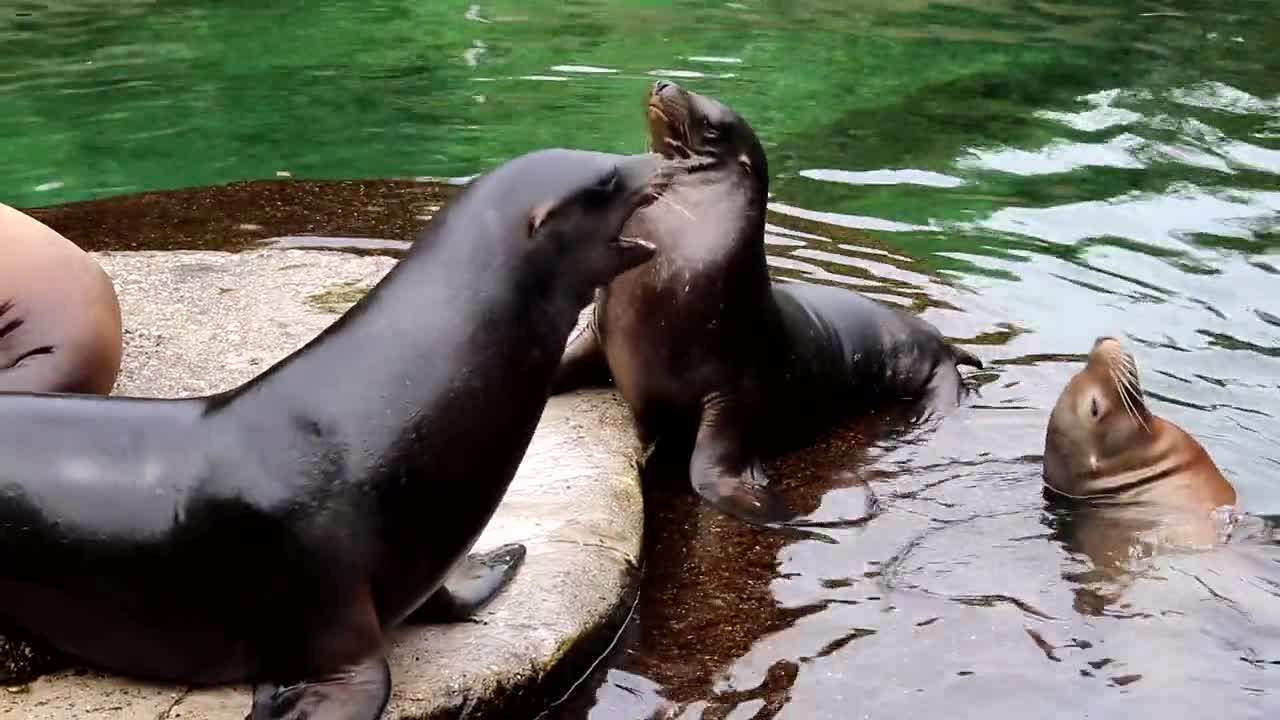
column 379, row 364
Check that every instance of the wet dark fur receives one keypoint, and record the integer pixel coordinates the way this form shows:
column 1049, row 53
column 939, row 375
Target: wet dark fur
column 716, row 360
column 272, row 532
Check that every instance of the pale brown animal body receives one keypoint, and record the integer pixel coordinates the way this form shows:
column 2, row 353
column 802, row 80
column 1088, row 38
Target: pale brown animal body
column 60, row 325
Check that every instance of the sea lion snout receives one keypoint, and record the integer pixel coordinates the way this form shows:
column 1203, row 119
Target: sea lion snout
column 665, row 88
column 1106, row 343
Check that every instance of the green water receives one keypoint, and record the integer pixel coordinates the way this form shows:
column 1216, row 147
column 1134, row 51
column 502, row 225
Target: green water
column 1045, row 131
column 1031, row 174
column 108, row 97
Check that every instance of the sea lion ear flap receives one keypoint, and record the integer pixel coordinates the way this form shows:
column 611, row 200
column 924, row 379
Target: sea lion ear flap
column 540, row 214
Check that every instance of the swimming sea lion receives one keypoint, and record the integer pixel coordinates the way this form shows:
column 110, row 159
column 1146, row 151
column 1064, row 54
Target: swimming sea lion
column 272, row 533
column 711, row 356
column 60, row 328
column 1104, row 445
column 1133, row 484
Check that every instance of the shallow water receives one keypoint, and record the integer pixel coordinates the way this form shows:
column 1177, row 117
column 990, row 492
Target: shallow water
column 1028, row 174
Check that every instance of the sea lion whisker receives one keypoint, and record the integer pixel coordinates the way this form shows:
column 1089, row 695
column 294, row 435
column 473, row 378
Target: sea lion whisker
column 674, row 204
column 678, row 147
column 1122, row 366
column 1118, row 382
column 1127, row 392
column 1129, row 375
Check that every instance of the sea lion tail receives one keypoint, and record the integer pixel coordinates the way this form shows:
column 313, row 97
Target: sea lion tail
column 964, row 357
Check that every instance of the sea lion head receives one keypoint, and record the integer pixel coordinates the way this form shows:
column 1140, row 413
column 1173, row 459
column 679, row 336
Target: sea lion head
column 1099, row 418
column 579, row 205
column 685, row 125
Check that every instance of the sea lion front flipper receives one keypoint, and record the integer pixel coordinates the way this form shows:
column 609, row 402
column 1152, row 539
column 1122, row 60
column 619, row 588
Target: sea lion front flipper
column 470, row 585
column 35, row 372
column 355, row 692
column 964, row 357
column 727, row 475
column 583, row 364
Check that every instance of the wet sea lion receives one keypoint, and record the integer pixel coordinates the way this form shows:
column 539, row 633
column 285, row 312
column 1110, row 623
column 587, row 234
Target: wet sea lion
column 60, row 327
column 1131, row 484
column 272, row 533
column 1104, row 445
column 719, row 365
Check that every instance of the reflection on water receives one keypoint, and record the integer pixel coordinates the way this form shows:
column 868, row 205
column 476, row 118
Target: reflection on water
column 1026, row 175
column 965, row 594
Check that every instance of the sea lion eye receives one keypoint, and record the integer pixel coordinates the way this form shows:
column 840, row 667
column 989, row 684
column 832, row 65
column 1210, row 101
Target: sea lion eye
column 609, row 182
column 1093, row 408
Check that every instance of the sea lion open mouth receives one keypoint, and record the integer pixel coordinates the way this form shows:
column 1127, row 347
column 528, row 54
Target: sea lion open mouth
column 668, row 134
column 656, row 112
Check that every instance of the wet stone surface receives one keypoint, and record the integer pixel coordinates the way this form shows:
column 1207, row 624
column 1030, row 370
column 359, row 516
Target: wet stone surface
column 243, row 215
column 201, row 322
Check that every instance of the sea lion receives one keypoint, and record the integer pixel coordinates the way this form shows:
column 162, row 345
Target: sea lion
column 60, row 327
column 1104, row 445
column 1130, row 483
column 272, row 533
column 717, row 362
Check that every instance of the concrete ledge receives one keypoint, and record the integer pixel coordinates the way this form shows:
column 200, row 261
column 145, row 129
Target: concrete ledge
column 204, row 321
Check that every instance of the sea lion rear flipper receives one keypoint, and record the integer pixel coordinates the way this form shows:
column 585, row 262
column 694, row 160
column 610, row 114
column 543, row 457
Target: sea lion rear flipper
column 583, row 364
column 355, row 692
column 727, row 475
column 470, row 585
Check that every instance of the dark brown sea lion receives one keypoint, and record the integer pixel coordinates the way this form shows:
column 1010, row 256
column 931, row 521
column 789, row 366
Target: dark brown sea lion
column 60, row 328
column 1131, row 484
column 719, row 365
column 274, row 532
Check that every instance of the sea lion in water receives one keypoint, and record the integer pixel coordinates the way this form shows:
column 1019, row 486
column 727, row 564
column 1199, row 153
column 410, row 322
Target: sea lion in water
column 272, row 533
column 1104, row 445
column 1132, row 483
column 60, row 327
column 718, row 364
